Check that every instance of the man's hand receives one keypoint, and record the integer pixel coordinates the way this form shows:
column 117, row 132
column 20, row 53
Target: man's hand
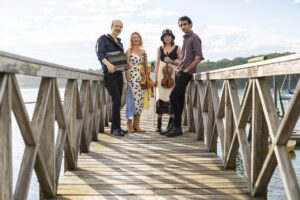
column 111, row 68
column 185, row 70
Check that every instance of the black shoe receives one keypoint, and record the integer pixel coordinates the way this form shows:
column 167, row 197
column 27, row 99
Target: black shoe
column 176, row 131
column 124, row 131
column 118, row 132
column 158, row 127
column 164, row 132
column 169, row 127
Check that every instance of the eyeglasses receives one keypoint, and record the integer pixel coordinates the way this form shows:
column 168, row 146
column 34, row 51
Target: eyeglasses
column 183, row 24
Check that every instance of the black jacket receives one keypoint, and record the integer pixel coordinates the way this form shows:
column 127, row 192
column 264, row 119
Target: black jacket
column 106, row 44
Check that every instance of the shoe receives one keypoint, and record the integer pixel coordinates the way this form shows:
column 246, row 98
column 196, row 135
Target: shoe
column 136, row 123
column 118, row 132
column 166, row 131
column 129, row 126
column 176, row 131
column 158, row 127
column 123, row 131
column 169, row 127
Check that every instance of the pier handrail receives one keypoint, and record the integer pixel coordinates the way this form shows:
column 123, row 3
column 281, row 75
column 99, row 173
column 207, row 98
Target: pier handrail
column 82, row 115
column 220, row 114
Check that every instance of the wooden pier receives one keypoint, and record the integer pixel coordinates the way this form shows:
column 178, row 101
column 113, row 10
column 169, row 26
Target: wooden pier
column 98, row 165
column 150, row 166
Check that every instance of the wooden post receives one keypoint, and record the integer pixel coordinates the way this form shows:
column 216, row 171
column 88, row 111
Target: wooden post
column 259, row 138
column 5, row 139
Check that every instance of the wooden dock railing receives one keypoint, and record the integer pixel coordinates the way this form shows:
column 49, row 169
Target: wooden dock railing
column 85, row 112
column 80, row 118
column 214, row 115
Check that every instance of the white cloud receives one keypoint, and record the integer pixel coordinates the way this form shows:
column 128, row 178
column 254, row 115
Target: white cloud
column 233, row 41
column 109, row 6
column 158, row 13
column 296, row 1
column 65, row 32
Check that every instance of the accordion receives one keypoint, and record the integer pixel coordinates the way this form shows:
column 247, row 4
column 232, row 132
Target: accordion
column 118, row 59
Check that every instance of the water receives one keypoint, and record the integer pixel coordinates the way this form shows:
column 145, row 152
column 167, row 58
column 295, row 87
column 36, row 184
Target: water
column 275, row 189
column 29, row 95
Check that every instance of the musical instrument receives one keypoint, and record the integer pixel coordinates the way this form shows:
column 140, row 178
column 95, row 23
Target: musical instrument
column 118, row 59
column 146, row 81
column 167, row 81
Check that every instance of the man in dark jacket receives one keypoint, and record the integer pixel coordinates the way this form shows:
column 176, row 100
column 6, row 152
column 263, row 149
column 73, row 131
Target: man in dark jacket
column 113, row 79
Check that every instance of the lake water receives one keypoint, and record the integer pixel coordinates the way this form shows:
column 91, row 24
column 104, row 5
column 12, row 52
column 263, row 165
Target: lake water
column 275, row 190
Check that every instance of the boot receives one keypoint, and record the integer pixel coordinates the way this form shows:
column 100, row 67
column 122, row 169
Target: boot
column 158, row 127
column 169, row 127
column 129, row 126
column 136, row 123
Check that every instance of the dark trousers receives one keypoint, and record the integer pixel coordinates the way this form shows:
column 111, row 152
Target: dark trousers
column 177, row 95
column 114, row 85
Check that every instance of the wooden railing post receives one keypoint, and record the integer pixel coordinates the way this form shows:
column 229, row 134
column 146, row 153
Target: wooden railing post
column 259, row 143
column 5, row 138
column 96, row 108
column 190, row 101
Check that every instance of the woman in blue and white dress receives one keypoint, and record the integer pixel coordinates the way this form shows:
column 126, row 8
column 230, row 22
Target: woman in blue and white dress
column 135, row 93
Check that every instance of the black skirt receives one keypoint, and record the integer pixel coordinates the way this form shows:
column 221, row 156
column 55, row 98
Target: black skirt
column 163, row 107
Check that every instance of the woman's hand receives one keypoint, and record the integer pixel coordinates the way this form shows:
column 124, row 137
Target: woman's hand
column 168, row 60
column 155, row 83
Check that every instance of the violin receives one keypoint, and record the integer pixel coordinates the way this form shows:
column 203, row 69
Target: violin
column 146, row 81
column 167, row 81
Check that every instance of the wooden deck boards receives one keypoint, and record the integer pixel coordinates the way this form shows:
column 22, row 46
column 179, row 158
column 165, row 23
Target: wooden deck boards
column 150, row 166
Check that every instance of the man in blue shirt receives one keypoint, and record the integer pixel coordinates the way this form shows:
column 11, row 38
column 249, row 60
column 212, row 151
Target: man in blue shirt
column 113, row 79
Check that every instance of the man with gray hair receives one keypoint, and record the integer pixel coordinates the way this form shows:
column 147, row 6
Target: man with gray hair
column 113, row 79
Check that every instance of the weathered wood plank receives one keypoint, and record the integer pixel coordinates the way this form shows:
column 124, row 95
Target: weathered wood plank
column 96, row 117
column 148, row 165
column 21, row 115
column 159, row 197
column 287, row 172
column 271, row 67
column 5, row 138
column 259, row 144
column 12, row 63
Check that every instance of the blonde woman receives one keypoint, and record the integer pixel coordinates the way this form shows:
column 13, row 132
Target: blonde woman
column 135, row 95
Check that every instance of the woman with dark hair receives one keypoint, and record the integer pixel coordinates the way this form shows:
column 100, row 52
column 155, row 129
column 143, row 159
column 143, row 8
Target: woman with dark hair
column 168, row 56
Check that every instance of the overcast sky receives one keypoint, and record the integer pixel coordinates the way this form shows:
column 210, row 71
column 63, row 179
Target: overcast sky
column 65, row 31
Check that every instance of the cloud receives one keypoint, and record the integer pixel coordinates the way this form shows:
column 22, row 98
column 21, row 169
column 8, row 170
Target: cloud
column 158, row 13
column 65, row 32
column 115, row 7
column 296, row 1
column 221, row 41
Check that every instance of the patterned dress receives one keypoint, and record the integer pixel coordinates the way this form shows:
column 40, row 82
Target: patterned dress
column 135, row 93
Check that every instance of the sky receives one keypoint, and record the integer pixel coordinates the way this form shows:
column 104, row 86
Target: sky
column 65, row 31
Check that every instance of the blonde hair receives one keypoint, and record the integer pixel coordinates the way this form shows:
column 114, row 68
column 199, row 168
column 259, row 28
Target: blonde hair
column 131, row 37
